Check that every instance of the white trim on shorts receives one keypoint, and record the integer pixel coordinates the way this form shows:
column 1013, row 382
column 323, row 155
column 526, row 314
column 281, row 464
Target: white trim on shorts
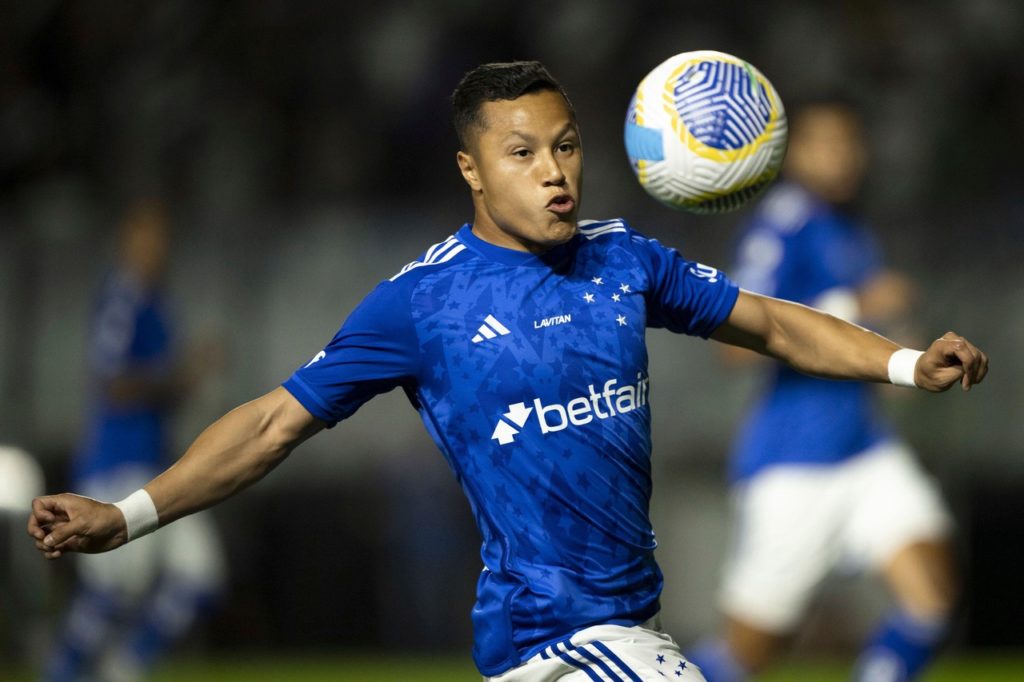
column 608, row 653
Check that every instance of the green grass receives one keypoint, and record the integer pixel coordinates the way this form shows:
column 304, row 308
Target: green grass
column 381, row 668
column 950, row 669
column 314, row 669
column 384, row 669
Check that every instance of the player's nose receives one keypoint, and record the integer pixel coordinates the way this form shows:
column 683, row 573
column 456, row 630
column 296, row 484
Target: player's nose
column 551, row 171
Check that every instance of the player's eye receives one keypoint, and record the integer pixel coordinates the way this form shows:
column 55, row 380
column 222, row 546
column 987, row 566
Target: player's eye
column 567, row 147
column 521, row 153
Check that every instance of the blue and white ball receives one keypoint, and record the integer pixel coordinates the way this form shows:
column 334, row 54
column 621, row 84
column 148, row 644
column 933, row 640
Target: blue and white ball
column 705, row 132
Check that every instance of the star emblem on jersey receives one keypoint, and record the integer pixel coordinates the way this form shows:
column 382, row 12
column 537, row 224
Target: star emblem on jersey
column 620, row 294
column 490, row 329
column 504, row 432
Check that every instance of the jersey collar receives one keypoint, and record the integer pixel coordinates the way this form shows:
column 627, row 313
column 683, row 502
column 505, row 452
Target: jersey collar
column 500, row 254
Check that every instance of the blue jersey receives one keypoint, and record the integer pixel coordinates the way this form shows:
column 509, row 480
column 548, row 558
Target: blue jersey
column 129, row 334
column 530, row 373
column 799, row 248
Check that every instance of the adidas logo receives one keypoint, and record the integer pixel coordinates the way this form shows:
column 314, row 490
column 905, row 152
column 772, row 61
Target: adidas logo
column 490, row 329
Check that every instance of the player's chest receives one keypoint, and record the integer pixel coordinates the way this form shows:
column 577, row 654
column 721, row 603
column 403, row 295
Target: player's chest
column 537, row 313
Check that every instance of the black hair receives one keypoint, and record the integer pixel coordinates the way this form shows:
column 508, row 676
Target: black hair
column 498, row 81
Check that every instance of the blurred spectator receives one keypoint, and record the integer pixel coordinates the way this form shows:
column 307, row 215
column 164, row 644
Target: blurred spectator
column 130, row 607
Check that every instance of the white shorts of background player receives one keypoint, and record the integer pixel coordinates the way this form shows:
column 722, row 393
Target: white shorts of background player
column 796, row 523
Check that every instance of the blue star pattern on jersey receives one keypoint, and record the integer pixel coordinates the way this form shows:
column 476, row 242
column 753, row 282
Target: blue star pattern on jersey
column 530, row 373
column 798, row 248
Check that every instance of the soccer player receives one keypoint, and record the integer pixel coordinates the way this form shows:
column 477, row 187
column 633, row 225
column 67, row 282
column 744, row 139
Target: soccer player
column 820, row 479
column 520, row 341
column 130, row 606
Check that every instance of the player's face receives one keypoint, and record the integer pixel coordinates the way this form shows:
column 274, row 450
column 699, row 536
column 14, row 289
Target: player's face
column 828, row 153
column 524, row 169
column 146, row 243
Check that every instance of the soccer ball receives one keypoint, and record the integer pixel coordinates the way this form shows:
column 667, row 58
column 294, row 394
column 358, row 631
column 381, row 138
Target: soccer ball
column 705, row 132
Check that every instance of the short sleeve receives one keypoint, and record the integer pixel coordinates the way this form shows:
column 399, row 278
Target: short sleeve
column 684, row 296
column 374, row 351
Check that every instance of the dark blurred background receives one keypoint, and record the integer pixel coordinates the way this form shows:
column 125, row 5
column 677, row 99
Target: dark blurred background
column 305, row 152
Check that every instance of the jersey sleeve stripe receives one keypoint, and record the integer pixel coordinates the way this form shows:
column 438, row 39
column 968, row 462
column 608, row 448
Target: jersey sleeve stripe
column 587, row 225
column 593, row 228
column 440, row 246
column 607, row 230
column 435, row 255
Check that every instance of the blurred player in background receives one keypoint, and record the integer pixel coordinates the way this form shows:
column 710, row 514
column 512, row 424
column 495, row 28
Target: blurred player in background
column 128, row 608
column 520, row 340
column 821, row 481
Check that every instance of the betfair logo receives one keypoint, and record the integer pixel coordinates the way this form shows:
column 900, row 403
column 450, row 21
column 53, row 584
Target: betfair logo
column 610, row 401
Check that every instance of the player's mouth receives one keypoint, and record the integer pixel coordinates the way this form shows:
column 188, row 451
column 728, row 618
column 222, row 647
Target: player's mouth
column 563, row 204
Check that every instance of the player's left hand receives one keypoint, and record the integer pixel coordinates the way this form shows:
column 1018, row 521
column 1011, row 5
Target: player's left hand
column 950, row 359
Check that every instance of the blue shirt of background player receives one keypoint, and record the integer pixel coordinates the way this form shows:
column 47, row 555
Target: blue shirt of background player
column 129, row 334
column 797, row 247
column 530, row 374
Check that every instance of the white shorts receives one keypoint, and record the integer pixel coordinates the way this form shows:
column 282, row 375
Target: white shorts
column 795, row 524
column 608, row 653
column 188, row 549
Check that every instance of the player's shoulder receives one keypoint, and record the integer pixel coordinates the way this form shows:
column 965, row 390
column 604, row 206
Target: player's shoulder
column 435, row 259
column 610, row 232
column 609, row 229
column 616, row 232
column 392, row 298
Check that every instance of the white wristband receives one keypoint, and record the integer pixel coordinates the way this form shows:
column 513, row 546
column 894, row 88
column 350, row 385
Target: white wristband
column 139, row 514
column 901, row 367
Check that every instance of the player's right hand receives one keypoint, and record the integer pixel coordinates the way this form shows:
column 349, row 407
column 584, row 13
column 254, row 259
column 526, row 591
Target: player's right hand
column 73, row 523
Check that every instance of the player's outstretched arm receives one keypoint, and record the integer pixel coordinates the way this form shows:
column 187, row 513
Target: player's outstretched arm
column 822, row 345
column 231, row 454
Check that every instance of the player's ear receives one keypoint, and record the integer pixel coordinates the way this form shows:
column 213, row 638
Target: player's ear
column 467, row 165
